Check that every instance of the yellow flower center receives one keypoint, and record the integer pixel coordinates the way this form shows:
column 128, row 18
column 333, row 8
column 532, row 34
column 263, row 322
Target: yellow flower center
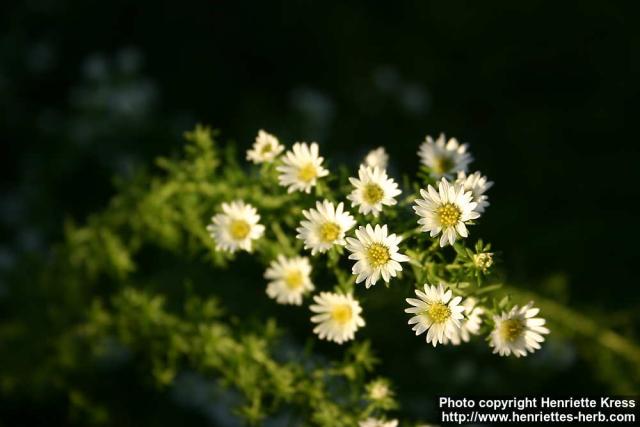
column 294, row 279
column 378, row 254
column 266, row 149
column 329, row 231
column 239, row 229
column 442, row 165
column 438, row 312
column 449, row 214
column 511, row 329
column 342, row 313
column 372, row 193
column 307, row 172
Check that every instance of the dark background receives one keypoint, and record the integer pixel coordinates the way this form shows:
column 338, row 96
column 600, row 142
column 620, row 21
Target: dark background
column 544, row 92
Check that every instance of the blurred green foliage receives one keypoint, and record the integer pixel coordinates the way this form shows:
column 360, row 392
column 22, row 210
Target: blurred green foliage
column 549, row 113
column 95, row 303
column 132, row 287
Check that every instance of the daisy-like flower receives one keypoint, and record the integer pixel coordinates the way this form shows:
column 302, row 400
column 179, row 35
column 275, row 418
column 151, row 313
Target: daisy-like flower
column 376, row 254
column 289, row 279
column 372, row 190
column 445, row 211
column 477, row 184
column 376, row 422
column 338, row 316
column 236, row 227
column 435, row 312
column 444, row 158
column 301, row 168
column 518, row 331
column 324, row 226
column 377, row 158
column 470, row 325
column 265, row 148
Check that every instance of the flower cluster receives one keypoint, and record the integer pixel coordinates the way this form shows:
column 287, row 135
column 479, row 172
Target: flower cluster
column 446, row 309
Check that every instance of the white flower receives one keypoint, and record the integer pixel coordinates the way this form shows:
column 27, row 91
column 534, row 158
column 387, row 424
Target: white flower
column 377, row 158
column 301, row 168
column 478, row 185
column 375, row 422
column 469, row 325
column 236, row 228
column 436, row 312
column 444, row 158
column 325, row 226
column 372, row 190
column 289, row 279
column 376, row 254
column 265, row 148
column 445, row 211
column 338, row 316
column 517, row 331
column 379, row 390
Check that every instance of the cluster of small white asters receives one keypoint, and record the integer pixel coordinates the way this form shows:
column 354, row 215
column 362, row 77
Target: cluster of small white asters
column 448, row 319
column 445, row 210
column 449, row 208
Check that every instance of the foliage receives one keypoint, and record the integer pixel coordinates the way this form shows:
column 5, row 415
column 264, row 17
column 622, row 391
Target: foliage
column 102, row 286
